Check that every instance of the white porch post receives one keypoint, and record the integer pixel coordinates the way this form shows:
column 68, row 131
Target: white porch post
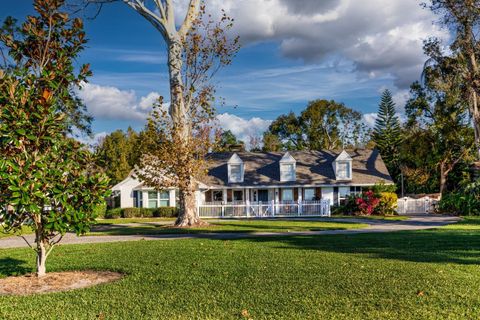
column 300, row 201
column 224, row 195
column 144, row 199
column 247, row 201
column 171, row 198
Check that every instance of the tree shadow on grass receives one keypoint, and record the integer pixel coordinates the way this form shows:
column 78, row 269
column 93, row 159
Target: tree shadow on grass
column 13, row 267
column 415, row 246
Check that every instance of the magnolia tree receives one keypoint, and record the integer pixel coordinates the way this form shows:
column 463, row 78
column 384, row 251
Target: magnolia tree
column 198, row 46
column 47, row 180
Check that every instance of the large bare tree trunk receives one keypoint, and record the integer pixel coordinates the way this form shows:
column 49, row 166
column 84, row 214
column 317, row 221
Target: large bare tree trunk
column 188, row 216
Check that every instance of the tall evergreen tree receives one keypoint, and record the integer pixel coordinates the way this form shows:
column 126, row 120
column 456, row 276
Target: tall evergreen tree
column 387, row 133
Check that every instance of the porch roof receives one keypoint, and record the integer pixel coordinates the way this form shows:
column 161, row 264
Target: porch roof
column 312, row 168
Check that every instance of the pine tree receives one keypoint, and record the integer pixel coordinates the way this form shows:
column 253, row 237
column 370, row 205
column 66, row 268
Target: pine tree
column 387, row 133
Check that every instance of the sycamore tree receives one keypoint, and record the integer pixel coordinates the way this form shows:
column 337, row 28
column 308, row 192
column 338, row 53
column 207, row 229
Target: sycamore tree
column 47, row 180
column 197, row 47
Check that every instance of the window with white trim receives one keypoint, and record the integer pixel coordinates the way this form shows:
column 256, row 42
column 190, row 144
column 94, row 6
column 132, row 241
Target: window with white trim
column 343, row 170
column 235, row 172
column 309, row 194
column 287, row 194
column 287, row 172
column 164, row 198
column 152, row 199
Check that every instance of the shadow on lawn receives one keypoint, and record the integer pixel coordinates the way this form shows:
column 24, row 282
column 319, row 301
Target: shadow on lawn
column 12, row 267
column 416, row 246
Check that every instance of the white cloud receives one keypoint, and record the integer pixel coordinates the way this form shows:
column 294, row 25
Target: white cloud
column 370, row 119
column 242, row 128
column 380, row 37
column 111, row 103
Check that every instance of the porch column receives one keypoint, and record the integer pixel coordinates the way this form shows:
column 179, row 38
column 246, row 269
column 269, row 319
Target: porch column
column 300, row 201
column 246, row 192
column 224, row 195
column 144, row 199
column 171, row 198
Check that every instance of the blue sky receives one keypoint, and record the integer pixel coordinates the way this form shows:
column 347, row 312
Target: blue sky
column 293, row 51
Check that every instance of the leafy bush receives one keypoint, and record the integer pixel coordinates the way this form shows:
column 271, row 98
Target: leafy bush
column 388, row 204
column 367, row 202
column 100, row 211
column 464, row 202
column 349, row 207
column 382, row 187
column 165, row 212
column 162, row 212
column 113, row 213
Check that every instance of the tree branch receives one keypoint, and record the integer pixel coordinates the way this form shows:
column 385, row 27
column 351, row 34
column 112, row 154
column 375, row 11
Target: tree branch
column 158, row 22
column 25, row 239
column 192, row 14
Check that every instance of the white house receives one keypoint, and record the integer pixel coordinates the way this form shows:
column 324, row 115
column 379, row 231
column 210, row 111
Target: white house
column 273, row 179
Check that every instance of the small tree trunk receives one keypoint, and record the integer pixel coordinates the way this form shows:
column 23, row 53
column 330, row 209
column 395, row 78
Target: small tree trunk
column 443, row 177
column 41, row 258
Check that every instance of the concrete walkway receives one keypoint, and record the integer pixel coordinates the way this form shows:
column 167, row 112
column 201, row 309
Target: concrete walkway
column 418, row 222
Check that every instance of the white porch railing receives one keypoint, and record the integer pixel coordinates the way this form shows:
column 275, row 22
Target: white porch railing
column 265, row 209
column 411, row 206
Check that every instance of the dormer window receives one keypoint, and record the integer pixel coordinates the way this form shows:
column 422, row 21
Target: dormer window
column 235, row 169
column 342, row 166
column 288, row 168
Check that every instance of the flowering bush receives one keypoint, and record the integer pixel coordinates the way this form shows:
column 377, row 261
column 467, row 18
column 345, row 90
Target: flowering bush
column 367, row 202
column 388, row 204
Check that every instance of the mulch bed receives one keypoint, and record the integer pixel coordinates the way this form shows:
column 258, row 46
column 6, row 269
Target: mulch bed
column 55, row 282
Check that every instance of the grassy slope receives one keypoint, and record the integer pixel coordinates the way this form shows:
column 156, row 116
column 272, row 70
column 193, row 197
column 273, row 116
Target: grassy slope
column 403, row 275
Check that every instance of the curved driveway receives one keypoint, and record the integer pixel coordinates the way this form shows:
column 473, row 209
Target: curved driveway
column 418, row 222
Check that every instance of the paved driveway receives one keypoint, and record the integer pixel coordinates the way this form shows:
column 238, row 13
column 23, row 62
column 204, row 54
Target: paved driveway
column 418, row 222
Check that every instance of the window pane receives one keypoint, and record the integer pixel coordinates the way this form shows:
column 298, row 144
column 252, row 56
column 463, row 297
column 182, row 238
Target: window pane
column 164, row 203
column 164, row 195
column 152, row 195
column 235, row 172
column 309, row 194
column 287, row 194
column 152, row 203
column 287, row 172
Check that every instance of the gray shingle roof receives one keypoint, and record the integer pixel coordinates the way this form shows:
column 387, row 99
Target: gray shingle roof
column 313, row 168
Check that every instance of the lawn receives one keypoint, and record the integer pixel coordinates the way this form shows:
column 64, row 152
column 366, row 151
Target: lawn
column 217, row 226
column 432, row 274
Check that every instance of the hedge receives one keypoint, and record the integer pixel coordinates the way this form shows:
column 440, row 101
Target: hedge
column 162, row 212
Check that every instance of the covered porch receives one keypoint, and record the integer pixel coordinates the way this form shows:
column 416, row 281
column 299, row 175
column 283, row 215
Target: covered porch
column 271, row 201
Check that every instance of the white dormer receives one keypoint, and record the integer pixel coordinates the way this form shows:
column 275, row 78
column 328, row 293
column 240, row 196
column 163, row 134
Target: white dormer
column 342, row 166
column 236, row 169
column 288, row 168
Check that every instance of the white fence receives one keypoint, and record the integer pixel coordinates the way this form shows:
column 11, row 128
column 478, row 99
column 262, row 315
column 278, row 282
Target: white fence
column 265, row 209
column 411, row 206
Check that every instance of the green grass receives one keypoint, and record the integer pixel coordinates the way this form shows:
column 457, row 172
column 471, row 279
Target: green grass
column 232, row 226
column 432, row 274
